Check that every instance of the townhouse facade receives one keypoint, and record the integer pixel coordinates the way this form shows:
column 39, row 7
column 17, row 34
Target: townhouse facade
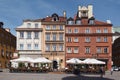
column 29, row 39
column 7, row 46
column 54, row 39
column 87, row 37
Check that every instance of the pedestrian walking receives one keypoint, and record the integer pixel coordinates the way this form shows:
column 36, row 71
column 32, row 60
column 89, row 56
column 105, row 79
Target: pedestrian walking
column 101, row 71
column 111, row 71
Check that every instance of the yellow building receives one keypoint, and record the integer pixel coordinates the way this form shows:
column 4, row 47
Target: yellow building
column 53, row 40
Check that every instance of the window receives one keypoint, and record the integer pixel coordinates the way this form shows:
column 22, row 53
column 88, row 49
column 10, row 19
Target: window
column 47, row 27
column 36, row 46
column 21, row 34
column 87, row 39
column 91, row 21
column 75, row 30
column 99, row 50
column 69, row 31
column 87, row 50
column 48, row 47
column 69, row 50
column 54, row 37
column 69, row 39
column 47, row 37
column 76, row 50
column 78, row 22
column 61, row 47
column 36, row 25
column 54, row 47
column 21, row 46
column 36, row 35
column 28, row 25
column 105, row 30
column 29, row 35
column 105, row 49
column 70, row 22
column 29, row 46
column 105, row 39
column 76, row 39
column 98, row 39
column 54, row 27
column 61, row 27
column 98, row 31
column 87, row 30
column 61, row 37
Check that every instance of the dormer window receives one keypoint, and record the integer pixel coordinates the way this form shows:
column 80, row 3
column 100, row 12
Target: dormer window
column 91, row 20
column 70, row 21
column 55, row 17
column 78, row 21
column 28, row 25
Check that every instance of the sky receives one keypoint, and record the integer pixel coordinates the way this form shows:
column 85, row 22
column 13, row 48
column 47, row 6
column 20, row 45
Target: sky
column 13, row 12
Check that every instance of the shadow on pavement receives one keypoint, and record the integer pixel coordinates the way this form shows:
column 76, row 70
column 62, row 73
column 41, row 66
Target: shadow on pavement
column 81, row 77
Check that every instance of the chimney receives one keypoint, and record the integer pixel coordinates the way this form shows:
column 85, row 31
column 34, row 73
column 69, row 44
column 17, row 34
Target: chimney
column 7, row 29
column 90, row 11
column 64, row 13
column 79, row 12
column 108, row 21
column 1, row 24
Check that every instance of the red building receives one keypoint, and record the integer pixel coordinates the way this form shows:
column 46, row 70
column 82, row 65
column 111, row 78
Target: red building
column 87, row 37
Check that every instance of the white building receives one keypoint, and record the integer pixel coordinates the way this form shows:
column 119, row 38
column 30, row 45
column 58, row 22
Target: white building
column 116, row 32
column 29, row 36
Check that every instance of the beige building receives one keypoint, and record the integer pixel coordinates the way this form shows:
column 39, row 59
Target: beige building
column 53, row 41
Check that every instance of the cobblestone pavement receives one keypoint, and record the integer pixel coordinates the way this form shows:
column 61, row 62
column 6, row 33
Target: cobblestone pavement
column 53, row 76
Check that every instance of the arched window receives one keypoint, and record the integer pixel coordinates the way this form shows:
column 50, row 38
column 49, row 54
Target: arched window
column 55, row 17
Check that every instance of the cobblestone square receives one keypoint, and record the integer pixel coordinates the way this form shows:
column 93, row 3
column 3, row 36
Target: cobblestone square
column 54, row 76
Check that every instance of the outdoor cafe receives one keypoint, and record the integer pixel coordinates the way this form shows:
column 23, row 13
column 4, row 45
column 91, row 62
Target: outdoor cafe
column 27, row 64
column 89, row 65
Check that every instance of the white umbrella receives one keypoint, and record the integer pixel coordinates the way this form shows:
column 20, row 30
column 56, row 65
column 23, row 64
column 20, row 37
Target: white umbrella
column 22, row 59
column 41, row 60
column 93, row 61
column 74, row 61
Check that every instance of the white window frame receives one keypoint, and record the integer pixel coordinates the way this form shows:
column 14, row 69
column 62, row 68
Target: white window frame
column 98, row 39
column 21, row 46
column 105, row 30
column 47, row 47
column 87, row 30
column 87, row 39
column 36, row 46
column 29, row 46
column 75, row 39
column 76, row 49
column 47, row 37
column 22, row 34
column 69, row 50
column 99, row 50
column 105, row 39
column 61, row 47
column 105, row 48
column 76, row 30
column 98, row 31
column 87, row 49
